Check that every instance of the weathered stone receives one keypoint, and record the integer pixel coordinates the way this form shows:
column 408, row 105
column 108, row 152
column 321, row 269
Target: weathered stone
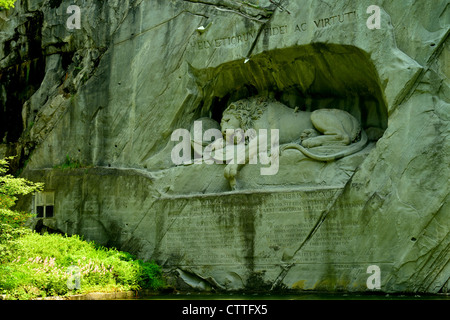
column 114, row 91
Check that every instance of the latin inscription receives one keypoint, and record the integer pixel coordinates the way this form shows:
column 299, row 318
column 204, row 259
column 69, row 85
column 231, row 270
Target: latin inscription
column 274, row 31
column 336, row 19
column 236, row 228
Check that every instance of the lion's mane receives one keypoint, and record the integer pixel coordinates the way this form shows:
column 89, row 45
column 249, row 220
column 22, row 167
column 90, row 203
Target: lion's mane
column 248, row 110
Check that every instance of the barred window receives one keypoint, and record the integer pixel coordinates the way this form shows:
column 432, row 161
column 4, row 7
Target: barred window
column 44, row 203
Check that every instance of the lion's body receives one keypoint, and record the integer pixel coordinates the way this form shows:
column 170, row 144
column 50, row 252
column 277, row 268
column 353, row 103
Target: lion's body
column 289, row 123
column 298, row 130
column 337, row 127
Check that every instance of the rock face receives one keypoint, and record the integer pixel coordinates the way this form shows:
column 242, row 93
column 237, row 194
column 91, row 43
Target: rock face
column 108, row 97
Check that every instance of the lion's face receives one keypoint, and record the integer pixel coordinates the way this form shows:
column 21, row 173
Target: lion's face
column 229, row 121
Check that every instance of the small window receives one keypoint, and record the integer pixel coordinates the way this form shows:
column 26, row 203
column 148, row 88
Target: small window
column 49, row 211
column 44, row 203
column 40, row 211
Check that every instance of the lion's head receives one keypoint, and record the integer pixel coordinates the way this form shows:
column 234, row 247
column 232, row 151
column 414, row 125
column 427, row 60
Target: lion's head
column 242, row 113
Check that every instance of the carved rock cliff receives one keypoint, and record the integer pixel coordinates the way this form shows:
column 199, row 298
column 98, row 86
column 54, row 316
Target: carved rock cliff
column 109, row 95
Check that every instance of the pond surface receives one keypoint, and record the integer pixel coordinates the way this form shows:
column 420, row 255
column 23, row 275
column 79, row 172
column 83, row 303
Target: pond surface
column 305, row 296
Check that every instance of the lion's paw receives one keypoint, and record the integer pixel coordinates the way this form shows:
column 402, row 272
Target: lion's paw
column 308, row 133
column 231, row 171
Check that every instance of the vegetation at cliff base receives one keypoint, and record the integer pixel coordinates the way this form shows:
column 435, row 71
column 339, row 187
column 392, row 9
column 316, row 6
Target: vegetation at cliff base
column 34, row 265
column 56, row 265
column 7, row 4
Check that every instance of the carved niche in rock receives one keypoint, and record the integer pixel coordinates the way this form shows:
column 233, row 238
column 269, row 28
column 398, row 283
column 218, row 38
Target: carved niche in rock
column 322, row 135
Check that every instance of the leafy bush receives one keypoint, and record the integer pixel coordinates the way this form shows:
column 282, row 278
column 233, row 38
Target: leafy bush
column 12, row 222
column 34, row 265
column 7, row 4
column 43, row 262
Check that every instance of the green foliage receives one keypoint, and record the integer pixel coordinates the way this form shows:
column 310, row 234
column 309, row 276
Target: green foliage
column 11, row 186
column 70, row 163
column 41, row 265
column 12, row 222
column 34, row 265
column 7, row 4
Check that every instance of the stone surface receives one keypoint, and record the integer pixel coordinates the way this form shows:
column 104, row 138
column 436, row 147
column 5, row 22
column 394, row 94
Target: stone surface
column 111, row 94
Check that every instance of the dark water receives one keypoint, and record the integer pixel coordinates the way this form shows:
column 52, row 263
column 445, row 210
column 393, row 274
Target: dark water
column 305, row 296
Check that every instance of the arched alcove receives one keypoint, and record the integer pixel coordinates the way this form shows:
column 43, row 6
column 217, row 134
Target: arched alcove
column 309, row 77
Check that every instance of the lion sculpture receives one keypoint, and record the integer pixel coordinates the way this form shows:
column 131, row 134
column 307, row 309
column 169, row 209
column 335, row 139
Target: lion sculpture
column 298, row 130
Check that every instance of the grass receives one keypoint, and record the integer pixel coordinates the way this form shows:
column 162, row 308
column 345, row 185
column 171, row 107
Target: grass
column 70, row 163
column 34, row 265
column 43, row 266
